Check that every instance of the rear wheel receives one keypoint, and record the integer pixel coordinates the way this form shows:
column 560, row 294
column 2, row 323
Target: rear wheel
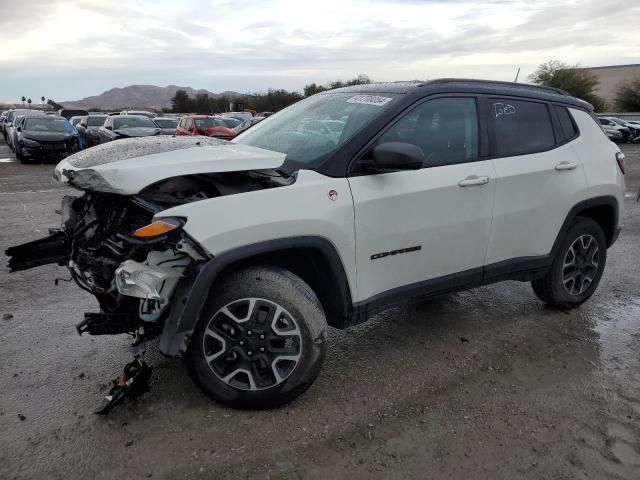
column 260, row 341
column 576, row 269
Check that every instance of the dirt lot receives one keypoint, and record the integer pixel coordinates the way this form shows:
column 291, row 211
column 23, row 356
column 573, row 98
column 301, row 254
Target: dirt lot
column 483, row 384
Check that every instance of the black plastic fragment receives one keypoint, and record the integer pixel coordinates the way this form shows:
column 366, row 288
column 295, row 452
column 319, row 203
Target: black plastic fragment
column 132, row 381
column 107, row 323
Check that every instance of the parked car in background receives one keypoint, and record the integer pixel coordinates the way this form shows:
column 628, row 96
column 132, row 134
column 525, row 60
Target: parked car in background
column 43, row 137
column 247, row 124
column 88, row 130
column 68, row 113
column 242, row 116
column 12, row 133
column 126, row 126
column 8, row 122
column 205, row 125
column 144, row 113
column 232, row 122
column 168, row 126
column 75, row 120
column 626, row 133
column 613, row 134
column 3, row 117
column 264, row 114
column 634, row 130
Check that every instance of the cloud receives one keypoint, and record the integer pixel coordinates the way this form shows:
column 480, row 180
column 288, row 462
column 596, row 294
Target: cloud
column 253, row 45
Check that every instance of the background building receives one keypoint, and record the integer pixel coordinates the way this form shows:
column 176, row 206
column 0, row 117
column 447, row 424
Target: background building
column 611, row 76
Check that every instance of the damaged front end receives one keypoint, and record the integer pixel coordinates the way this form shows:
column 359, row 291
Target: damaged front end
column 140, row 265
column 132, row 275
column 130, row 261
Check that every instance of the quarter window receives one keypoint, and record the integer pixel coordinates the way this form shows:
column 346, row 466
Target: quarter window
column 520, row 126
column 566, row 122
column 446, row 129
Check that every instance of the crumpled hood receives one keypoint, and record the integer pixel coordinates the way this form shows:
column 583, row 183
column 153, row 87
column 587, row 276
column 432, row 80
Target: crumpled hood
column 127, row 166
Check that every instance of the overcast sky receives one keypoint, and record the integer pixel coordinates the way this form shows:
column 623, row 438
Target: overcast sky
column 66, row 50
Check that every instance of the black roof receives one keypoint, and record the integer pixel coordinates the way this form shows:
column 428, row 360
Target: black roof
column 463, row 85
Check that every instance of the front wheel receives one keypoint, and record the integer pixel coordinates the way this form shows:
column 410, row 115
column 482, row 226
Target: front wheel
column 577, row 268
column 260, row 341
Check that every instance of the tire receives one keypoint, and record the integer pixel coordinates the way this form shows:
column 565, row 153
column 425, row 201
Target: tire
column 21, row 158
column 245, row 370
column 577, row 268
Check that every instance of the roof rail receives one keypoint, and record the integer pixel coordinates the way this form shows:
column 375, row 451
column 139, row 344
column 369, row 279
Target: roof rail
column 498, row 82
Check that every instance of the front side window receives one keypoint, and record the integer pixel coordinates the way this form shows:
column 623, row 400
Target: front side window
column 446, row 129
column 521, row 127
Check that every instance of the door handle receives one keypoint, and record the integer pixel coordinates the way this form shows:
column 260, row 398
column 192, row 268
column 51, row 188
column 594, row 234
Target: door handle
column 566, row 166
column 473, row 180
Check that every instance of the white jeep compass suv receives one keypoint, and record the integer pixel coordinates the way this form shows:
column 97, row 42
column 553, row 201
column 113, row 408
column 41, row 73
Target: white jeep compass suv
column 237, row 255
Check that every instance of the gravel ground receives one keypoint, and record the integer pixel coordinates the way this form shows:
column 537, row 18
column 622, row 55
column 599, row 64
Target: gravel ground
column 482, row 384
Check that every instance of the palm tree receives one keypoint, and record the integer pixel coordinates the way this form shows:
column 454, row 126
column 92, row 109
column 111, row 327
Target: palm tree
column 29, row 102
column 42, row 98
column 24, row 99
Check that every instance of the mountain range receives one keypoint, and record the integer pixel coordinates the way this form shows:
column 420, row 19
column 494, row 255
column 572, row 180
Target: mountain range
column 149, row 97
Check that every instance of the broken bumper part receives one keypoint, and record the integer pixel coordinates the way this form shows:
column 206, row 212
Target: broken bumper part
column 132, row 381
column 44, row 251
column 107, row 323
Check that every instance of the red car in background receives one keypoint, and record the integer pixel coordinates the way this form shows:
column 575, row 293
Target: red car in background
column 207, row 125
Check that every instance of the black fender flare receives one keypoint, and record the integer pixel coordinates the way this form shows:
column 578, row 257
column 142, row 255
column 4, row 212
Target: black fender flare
column 605, row 200
column 192, row 293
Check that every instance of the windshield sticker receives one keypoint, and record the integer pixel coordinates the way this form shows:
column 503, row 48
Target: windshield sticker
column 369, row 100
column 502, row 109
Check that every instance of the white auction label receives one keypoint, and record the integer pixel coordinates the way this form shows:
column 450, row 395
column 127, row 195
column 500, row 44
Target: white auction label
column 369, row 100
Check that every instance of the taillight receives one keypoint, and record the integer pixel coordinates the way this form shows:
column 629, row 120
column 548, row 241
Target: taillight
column 620, row 160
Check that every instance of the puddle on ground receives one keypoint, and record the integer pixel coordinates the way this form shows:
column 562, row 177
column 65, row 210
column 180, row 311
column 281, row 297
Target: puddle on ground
column 618, row 329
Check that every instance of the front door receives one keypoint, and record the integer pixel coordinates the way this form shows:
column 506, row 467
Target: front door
column 415, row 227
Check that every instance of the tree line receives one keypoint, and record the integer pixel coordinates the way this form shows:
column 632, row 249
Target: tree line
column 270, row 101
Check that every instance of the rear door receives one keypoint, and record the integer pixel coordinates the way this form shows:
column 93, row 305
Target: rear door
column 415, row 227
column 539, row 178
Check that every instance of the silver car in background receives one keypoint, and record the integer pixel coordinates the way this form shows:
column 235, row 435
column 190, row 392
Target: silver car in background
column 167, row 125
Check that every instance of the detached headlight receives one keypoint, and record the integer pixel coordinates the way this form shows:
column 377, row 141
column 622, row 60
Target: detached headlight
column 29, row 143
column 159, row 227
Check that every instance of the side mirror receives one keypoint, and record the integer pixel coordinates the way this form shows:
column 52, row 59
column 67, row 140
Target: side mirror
column 18, row 129
column 108, row 127
column 393, row 156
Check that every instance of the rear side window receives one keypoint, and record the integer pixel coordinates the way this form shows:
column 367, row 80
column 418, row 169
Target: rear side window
column 521, row 127
column 566, row 122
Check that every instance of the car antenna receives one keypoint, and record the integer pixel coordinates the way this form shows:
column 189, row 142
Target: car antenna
column 517, row 75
